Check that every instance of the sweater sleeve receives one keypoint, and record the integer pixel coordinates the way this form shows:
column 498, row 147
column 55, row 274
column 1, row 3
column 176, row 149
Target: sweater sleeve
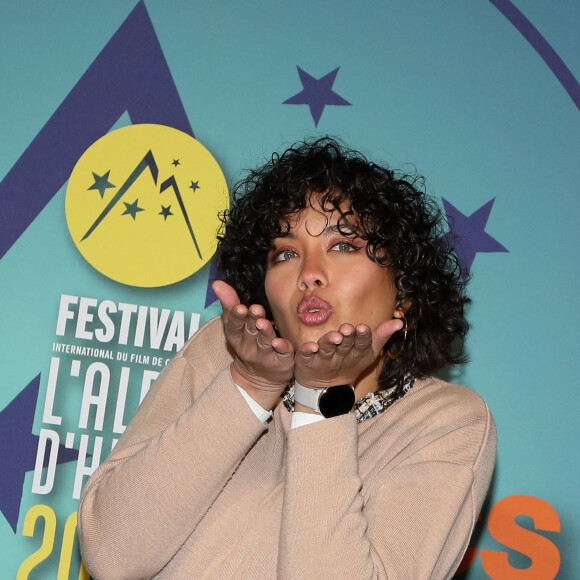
column 174, row 458
column 412, row 520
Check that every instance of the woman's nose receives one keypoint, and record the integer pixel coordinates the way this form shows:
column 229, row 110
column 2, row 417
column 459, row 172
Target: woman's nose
column 312, row 275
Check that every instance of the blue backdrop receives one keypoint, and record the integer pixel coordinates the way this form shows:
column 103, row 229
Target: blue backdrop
column 481, row 97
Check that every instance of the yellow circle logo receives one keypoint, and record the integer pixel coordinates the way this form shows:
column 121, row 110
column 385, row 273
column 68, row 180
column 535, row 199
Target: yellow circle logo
column 142, row 205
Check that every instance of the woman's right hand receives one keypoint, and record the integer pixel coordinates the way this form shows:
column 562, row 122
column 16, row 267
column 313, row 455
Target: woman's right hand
column 264, row 363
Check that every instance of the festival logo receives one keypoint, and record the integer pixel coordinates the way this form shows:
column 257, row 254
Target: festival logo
column 143, row 203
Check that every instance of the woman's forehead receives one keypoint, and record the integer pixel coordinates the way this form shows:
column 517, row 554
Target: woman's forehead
column 318, row 220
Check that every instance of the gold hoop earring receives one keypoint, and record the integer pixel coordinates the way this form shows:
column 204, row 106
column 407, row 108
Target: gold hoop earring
column 394, row 355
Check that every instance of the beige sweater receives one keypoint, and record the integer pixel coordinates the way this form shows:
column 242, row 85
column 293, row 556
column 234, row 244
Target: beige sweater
column 199, row 488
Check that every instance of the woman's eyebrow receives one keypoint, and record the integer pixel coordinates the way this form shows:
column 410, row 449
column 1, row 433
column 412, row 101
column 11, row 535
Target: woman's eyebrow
column 288, row 234
column 343, row 230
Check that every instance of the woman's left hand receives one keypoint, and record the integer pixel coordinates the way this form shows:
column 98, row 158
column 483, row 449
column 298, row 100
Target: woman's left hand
column 339, row 357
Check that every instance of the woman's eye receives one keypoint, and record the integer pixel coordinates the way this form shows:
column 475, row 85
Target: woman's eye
column 285, row 255
column 345, row 247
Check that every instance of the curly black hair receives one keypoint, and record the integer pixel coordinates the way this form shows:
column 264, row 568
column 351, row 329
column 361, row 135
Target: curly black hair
column 402, row 226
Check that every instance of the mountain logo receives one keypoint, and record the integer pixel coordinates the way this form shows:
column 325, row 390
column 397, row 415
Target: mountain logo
column 143, row 203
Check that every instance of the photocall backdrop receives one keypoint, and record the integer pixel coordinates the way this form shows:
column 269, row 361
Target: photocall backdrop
column 108, row 217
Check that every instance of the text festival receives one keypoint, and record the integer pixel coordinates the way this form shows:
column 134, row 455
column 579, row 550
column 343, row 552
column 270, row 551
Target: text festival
column 107, row 322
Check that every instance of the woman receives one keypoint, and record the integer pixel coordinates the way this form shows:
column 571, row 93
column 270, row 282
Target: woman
column 338, row 288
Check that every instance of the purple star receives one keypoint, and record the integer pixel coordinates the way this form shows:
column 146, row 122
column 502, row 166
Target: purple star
column 467, row 235
column 316, row 93
column 18, row 449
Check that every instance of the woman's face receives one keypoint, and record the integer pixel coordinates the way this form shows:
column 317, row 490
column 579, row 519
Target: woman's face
column 318, row 279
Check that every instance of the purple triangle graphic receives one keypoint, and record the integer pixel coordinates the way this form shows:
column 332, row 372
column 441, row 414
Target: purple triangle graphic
column 129, row 75
column 18, row 447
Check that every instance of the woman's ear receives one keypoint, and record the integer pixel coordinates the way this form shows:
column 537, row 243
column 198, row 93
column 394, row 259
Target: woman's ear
column 403, row 305
column 399, row 338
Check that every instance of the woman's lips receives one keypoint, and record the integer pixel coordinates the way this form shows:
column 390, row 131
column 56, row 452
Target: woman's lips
column 312, row 310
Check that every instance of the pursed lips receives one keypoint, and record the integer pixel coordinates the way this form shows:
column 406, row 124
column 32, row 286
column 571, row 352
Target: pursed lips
column 313, row 310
